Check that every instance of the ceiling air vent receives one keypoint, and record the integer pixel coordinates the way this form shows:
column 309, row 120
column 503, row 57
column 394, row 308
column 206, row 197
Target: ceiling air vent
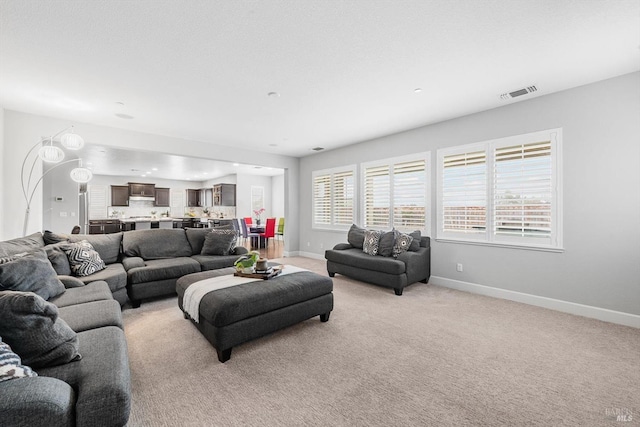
column 519, row 92
column 318, row 149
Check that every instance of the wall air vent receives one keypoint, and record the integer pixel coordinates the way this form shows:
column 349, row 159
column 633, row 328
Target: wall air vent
column 519, row 92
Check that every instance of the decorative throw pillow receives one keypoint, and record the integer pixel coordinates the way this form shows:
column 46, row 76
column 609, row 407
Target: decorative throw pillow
column 11, row 366
column 219, row 242
column 58, row 259
column 415, row 244
column 387, row 240
column 83, row 259
column 402, row 244
column 371, row 240
column 32, row 328
column 51, row 238
column 31, row 272
column 355, row 236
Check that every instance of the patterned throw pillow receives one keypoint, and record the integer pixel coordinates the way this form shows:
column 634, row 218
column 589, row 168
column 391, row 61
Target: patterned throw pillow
column 83, row 259
column 11, row 366
column 371, row 241
column 219, row 242
column 402, row 244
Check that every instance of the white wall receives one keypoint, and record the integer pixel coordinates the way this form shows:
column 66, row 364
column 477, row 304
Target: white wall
column 600, row 265
column 2, row 169
column 277, row 196
column 22, row 130
column 243, row 194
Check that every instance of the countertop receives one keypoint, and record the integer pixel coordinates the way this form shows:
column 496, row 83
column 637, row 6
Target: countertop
column 162, row 219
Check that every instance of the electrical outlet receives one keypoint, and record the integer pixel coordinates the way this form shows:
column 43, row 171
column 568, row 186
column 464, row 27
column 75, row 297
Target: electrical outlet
column 321, row 245
column 73, row 214
column 63, row 214
column 458, row 267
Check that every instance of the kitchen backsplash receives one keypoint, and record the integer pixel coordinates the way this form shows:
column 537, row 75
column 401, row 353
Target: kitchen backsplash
column 144, row 208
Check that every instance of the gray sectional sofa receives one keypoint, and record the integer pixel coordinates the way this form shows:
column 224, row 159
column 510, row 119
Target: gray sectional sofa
column 84, row 315
column 81, row 319
column 410, row 266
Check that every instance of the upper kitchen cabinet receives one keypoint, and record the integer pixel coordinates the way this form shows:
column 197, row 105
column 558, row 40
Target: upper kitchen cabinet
column 142, row 190
column 194, row 198
column 119, row 195
column 224, row 195
column 162, row 197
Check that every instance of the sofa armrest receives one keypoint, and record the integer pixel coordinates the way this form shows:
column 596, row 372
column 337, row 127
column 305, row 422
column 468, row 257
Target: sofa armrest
column 37, row 401
column 132, row 262
column 70, row 281
column 418, row 264
column 240, row 250
column 342, row 246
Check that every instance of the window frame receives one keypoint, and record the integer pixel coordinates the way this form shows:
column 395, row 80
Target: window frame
column 332, row 172
column 489, row 237
column 425, row 229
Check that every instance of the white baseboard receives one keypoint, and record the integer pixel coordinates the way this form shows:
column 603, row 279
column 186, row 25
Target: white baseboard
column 310, row 255
column 604, row 314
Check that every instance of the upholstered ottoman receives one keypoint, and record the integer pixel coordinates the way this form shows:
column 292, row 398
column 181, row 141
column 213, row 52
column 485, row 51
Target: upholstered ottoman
column 231, row 310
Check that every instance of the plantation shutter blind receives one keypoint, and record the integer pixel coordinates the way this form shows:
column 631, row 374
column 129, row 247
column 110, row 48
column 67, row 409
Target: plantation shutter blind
column 343, row 193
column 409, row 195
column 464, row 193
column 322, row 199
column 523, row 192
column 377, row 196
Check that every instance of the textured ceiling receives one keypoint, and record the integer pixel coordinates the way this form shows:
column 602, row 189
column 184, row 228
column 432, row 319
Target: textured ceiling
column 345, row 70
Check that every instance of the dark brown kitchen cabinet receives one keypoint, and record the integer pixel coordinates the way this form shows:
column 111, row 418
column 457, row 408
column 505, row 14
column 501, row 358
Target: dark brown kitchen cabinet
column 145, row 190
column 224, row 195
column 162, row 197
column 104, row 226
column 194, row 198
column 119, row 195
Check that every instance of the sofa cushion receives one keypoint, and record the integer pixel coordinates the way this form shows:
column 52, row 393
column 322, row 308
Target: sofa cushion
column 214, row 262
column 219, row 242
column 58, row 259
column 11, row 366
column 386, row 243
column 415, row 243
column 156, row 243
column 31, row 272
column 402, row 244
column 91, row 315
column 102, row 378
column 161, row 269
column 371, row 242
column 107, row 245
column 359, row 259
column 51, row 238
column 31, row 326
column 196, row 237
column 22, row 244
column 114, row 275
column 355, row 236
column 83, row 259
column 94, row 291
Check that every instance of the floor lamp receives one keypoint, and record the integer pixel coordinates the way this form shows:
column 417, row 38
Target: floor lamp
column 51, row 154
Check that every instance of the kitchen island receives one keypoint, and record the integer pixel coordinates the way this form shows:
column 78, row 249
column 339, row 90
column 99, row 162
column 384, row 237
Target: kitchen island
column 107, row 226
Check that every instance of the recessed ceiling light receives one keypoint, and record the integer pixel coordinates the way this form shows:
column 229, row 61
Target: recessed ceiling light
column 236, row 164
column 273, row 145
column 273, row 94
column 154, row 169
column 143, row 175
column 89, row 163
column 418, row 90
column 124, row 116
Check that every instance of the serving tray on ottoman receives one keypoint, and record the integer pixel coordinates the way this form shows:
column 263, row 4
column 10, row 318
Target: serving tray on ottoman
column 231, row 312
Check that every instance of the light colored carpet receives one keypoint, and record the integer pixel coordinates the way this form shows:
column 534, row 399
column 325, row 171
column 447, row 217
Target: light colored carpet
column 432, row 357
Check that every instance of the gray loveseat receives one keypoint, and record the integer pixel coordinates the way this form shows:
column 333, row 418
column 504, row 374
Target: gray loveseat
column 349, row 259
column 94, row 390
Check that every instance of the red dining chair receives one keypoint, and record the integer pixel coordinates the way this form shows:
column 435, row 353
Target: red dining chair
column 269, row 230
column 248, row 220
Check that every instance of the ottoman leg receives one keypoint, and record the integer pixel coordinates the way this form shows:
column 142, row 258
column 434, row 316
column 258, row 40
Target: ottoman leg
column 331, row 274
column 135, row 303
column 325, row 317
column 224, row 355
